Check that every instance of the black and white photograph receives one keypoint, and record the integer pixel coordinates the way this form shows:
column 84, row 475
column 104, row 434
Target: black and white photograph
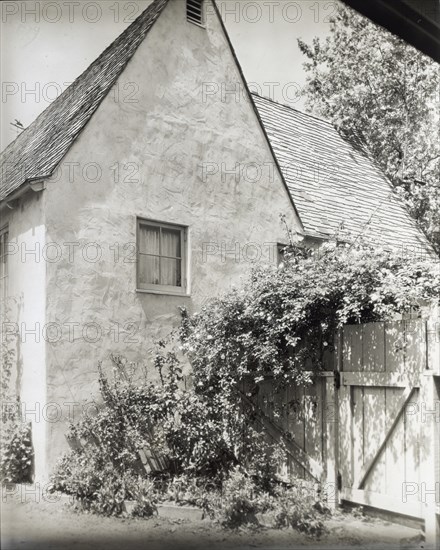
column 220, row 274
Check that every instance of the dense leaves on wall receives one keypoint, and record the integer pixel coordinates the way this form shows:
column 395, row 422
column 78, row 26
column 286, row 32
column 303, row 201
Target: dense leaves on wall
column 282, row 321
column 16, row 450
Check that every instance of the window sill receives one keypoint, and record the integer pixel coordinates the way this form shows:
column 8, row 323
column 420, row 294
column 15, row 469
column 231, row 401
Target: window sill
column 164, row 292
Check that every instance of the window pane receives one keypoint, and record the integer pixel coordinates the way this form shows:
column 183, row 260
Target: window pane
column 170, row 242
column 148, row 270
column 171, row 272
column 149, row 236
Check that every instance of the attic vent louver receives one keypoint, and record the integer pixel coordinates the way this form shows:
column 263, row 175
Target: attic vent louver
column 194, row 11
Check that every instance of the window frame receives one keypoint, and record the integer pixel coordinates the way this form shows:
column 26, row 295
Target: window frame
column 151, row 288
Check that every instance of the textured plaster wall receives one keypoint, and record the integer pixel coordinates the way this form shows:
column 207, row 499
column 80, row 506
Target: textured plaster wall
column 158, row 144
column 26, row 314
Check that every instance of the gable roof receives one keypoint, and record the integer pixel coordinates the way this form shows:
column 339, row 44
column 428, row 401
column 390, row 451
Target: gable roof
column 333, row 183
column 36, row 152
column 330, row 182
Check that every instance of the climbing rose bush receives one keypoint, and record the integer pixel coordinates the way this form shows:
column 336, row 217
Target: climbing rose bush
column 280, row 323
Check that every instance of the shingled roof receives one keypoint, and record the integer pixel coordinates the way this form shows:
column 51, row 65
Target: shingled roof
column 37, row 150
column 335, row 187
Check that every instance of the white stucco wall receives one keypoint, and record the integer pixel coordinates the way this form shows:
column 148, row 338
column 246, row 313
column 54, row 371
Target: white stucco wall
column 24, row 325
column 158, row 143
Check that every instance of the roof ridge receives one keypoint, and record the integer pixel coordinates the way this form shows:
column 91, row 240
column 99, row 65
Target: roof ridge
column 293, row 109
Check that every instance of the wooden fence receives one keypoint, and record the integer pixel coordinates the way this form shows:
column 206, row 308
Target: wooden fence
column 369, row 430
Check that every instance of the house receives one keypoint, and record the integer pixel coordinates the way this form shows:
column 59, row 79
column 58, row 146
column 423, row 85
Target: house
column 146, row 187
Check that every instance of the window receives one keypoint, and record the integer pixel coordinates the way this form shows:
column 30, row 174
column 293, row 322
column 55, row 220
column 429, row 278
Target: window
column 161, row 265
column 4, row 234
column 194, row 11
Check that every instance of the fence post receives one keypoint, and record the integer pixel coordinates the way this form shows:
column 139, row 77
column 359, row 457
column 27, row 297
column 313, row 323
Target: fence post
column 433, row 339
column 330, row 428
column 430, row 486
column 430, row 432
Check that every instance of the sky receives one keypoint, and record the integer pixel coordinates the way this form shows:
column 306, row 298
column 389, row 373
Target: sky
column 45, row 45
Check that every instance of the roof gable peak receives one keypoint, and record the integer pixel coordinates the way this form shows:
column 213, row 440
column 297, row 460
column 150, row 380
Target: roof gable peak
column 37, row 151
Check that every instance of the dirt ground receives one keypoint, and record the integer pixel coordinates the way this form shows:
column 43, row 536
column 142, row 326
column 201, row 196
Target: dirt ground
column 45, row 525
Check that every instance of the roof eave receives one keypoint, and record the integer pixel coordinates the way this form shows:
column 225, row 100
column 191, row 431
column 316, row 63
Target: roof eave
column 37, row 185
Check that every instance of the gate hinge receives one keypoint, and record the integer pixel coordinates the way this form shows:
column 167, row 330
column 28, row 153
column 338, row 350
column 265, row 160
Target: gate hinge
column 337, row 376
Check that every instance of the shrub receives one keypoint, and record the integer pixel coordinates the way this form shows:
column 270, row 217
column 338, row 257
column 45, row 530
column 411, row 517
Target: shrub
column 144, row 493
column 80, row 474
column 179, row 429
column 16, row 453
column 241, row 501
column 299, row 508
column 183, row 430
column 99, row 487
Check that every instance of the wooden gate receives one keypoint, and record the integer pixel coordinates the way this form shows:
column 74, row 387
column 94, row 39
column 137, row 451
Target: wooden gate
column 369, row 429
column 388, row 417
column 379, row 406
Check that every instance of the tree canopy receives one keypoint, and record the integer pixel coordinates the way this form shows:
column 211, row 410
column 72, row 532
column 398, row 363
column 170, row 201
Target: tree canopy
column 384, row 94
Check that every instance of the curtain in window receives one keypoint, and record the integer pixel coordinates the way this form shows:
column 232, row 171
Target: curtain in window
column 170, row 242
column 149, row 251
column 160, row 261
column 170, row 260
column 149, row 237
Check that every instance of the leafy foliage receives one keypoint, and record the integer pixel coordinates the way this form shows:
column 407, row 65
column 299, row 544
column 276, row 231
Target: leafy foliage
column 298, row 508
column 168, row 420
column 99, row 487
column 243, row 502
column 16, row 452
column 178, row 428
column 185, row 489
column 382, row 92
column 240, row 500
column 280, row 324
